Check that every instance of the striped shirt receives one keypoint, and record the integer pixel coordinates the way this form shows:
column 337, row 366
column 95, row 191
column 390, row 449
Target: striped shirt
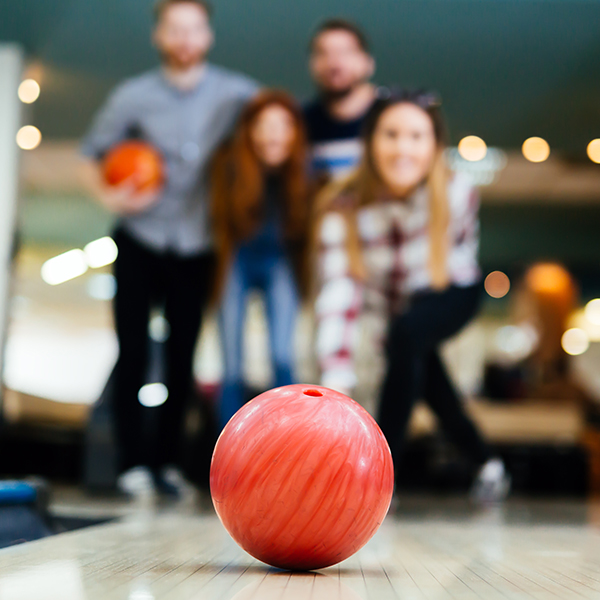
column 336, row 146
column 395, row 244
column 335, row 159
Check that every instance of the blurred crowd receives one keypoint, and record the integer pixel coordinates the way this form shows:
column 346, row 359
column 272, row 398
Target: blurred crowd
column 344, row 203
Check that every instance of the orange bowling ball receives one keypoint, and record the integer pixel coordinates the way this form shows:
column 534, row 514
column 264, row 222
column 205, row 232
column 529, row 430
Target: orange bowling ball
column 301, row 477
column 137, row 161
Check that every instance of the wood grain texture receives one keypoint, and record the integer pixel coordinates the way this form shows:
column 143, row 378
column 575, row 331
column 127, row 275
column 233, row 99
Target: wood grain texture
column 431, row 550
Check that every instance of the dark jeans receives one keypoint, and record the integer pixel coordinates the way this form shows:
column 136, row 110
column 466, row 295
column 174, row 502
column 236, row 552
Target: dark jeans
column 415, row 370
column 181, row 285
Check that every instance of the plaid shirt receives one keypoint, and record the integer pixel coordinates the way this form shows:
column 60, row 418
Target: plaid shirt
column 395, row 250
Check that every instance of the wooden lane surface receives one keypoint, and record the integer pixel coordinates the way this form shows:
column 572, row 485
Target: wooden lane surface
column 422, row 554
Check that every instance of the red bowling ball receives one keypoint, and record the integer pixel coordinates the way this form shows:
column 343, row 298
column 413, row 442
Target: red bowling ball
column 301, row 477
column 134, row 159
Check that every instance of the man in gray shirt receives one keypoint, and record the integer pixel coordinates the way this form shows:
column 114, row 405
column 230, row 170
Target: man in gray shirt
column 185, row 109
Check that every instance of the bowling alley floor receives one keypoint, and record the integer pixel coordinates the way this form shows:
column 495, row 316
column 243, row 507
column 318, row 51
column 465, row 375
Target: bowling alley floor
column 431, row 549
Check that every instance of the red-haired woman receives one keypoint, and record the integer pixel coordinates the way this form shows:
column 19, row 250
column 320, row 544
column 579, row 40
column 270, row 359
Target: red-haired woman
column 400, row 237
column 260, row 209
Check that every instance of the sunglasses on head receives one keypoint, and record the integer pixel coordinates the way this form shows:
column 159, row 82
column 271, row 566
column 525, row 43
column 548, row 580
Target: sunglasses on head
column 424, row 99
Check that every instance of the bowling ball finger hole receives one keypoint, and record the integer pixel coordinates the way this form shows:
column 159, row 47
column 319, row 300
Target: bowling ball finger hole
column 313, row 393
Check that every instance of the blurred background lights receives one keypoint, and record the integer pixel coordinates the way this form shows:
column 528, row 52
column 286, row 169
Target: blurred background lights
column 480, row 172
column 517, row 342
column 536, row 149
column 472, row 148
column 548, row 278
column 575, row 341
column 580, row 320
column 497, row 284
column 29, row 137
column 102, row 286
column 593, row 150
column 101, row 253
column 64, row 267
column 592, row 311
column 29, row 91
column 159, row 328
column 153, row 394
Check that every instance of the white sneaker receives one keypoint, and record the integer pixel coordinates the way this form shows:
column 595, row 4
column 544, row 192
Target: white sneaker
column 173, row 482
column 137, row 482
column 492, row 483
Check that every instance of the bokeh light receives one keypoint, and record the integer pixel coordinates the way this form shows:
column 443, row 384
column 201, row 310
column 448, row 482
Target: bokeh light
column 592, row 311
column 29, row 91
column 579, row 319
column 153, row 394
column 548, row 278
column 497, row 284
column 516, row 342
column 159, row 328
column 102, row 286
column 64, row 267
column 101, row 252
column 575, row 341
column 29, row 137
column 536, row 149
column 593, row 150
column 472, row 148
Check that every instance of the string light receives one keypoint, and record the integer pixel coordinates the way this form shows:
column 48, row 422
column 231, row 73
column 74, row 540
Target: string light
column 29, row 91
column 497, row 284
column 472, row 148
column 536, row 149
column 29, row 137
column 593, row 150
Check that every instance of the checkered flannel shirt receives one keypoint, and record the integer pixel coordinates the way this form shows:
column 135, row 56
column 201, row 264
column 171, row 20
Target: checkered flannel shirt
column 395, row 249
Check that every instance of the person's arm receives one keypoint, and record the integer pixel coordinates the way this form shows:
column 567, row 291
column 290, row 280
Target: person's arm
column 110, row 127
column 338, row 306
column 121, row 199
column 466, row 225
column 470, row 222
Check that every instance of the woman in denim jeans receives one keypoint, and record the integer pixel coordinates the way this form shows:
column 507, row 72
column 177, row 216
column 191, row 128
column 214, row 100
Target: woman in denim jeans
column 260, row 208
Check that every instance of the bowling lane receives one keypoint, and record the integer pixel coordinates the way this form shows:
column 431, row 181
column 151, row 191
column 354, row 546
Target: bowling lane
column 431, row 550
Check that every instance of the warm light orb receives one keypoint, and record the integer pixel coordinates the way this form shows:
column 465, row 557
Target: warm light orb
column 548, row 278
column 580, row 319
column 592, row 311
column 29, row 137
column 497, row 284
column 575, row 341
column 472, row 148
column 593, row 150
column 29, row 91
column 536, row 149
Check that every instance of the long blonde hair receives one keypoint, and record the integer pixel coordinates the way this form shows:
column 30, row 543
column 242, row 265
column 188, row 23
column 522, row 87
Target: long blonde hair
column 361, row 188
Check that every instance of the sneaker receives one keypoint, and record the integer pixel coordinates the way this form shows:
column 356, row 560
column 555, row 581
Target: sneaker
column 172, row 481
column 137, row 482
column 492, row 483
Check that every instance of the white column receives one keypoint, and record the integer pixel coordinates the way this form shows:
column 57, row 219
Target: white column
column 11, row 64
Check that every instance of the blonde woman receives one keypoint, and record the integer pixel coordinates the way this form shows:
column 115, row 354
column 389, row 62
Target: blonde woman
column 400, row 236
